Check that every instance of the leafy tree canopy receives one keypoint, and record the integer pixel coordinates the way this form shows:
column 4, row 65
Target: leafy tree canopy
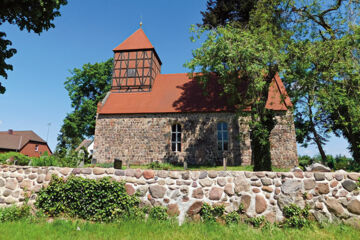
column 221, row 12
column 86, row 87
column 323, row 71
column 32, row 15
column 319, row 61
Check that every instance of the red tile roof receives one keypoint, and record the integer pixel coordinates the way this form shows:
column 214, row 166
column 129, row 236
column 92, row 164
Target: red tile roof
column 138, row 40
column 174, row 93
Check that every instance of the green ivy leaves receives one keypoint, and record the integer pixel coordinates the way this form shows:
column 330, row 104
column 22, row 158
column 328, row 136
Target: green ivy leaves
column 96, row 200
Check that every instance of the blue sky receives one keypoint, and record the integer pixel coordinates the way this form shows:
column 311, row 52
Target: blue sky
column 87, row 32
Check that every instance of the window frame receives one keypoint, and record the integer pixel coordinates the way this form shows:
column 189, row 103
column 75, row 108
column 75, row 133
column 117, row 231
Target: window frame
column 178, row 137
column 36, row 147
column 133, row 72
column 222, row 132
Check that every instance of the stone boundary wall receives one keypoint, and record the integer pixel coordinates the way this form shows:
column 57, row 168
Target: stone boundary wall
column 331, row 196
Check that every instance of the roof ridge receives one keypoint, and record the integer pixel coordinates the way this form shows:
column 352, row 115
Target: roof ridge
column 30, row 134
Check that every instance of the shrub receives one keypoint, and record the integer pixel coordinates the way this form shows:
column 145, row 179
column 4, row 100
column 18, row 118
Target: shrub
column 71, row 159
column 304, row 161
column 159, row 166
column 256, row 221
column 17, row 158
column 232, row 218
column 335, row 163
column 45, row 160
column 241, row 208
column 14, row 213
column 209, row 213
column 158, row 213
column 295, row 216
column 97, row 200
column 135, row 213
column 342, row 162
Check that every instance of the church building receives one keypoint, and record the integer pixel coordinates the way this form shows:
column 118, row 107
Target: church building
column 148, row 116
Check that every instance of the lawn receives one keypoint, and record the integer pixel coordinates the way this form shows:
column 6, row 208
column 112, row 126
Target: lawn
column 166, row 166
column 62, row 229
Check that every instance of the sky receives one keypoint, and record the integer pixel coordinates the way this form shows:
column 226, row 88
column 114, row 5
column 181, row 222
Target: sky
column 86, row 32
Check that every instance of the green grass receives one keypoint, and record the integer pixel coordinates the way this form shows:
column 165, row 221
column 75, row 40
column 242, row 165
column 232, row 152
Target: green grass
column 167, row 166
column 63, row 229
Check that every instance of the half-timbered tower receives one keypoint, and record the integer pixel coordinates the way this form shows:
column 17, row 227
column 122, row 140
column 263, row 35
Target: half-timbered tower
column 136, row 64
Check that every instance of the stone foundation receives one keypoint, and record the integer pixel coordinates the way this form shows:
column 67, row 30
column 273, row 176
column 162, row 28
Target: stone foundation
column 331, row 196
column 141, row 139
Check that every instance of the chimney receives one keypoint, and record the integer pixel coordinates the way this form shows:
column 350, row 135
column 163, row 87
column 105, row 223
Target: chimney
column 10, row 131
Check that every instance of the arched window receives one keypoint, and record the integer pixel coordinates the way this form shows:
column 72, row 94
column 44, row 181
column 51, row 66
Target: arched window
column 176, row 138
column 222, row 136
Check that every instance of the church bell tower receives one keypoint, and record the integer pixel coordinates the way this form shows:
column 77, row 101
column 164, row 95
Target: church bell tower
column 136, row 64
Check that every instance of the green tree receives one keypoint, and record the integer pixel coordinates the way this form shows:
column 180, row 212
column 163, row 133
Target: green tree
column 248, row 57
column 302, row 79
column 32, row 15
column 321, row 69
column 86, row 87
column 323, row 72
column 221, row 12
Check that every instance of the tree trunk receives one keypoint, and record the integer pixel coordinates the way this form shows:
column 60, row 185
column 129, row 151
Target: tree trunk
column 260, row 143
column 261, row 155
column 354, row 141
column 317, row 138
column 356, row 154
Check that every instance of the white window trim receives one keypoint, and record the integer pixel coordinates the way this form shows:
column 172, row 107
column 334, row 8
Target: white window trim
column 176, row 138
column 222, row 131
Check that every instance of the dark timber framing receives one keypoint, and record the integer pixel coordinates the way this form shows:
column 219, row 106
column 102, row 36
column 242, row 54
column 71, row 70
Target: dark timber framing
column 146, row 65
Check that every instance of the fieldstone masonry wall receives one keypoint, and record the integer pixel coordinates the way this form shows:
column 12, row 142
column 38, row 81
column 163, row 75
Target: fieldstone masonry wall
column 330, row 195
column 144, row 138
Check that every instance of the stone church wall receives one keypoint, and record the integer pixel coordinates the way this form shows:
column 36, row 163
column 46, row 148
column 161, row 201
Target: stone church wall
column 331, row 196
column 141, row 139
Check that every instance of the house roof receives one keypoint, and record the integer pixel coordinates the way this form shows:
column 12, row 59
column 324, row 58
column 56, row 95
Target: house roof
column 18, row 139
column 138, row 40
column 174, row 93
column 85, row 143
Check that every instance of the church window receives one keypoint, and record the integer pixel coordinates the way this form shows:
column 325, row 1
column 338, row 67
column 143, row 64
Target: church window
column 176, row 138
column 222, row 136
